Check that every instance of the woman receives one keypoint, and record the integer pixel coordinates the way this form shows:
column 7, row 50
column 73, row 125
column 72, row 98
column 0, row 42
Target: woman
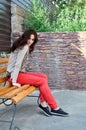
column 18, row 65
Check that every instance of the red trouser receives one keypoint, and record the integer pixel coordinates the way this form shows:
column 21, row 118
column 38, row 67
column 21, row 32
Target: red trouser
column 39, row 80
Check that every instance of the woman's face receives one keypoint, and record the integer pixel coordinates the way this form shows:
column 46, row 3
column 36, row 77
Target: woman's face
column 31, row 40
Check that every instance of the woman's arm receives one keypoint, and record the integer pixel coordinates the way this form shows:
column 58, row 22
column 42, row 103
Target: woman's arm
column 18, row 63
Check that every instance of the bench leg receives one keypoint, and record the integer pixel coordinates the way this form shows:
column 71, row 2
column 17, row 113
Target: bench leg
column 13, row 116
column 11, row 121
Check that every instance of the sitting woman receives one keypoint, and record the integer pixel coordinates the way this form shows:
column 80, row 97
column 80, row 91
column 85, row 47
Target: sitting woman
column 17, row 67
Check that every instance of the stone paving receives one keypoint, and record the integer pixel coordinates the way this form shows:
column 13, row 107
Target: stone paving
column 29, row 116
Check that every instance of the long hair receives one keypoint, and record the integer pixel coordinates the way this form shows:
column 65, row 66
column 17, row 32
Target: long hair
column 22, row 40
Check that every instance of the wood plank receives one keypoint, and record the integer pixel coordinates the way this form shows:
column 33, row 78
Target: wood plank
column 2, row 70
column 2, row 93
column 23, row 94
column 3, row 79
column 4, row 60
column 16, row 91
column 4, row 87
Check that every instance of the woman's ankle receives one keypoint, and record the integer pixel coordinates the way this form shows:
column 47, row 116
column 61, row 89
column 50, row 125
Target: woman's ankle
column 57, row 108
column 44, row 104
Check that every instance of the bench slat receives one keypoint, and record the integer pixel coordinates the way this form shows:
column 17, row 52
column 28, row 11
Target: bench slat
column 3, row 79
column 3, row 92
column 2, row 70
column 4, row 60
column 16, row 91
column 4, row 87
column 21, row 95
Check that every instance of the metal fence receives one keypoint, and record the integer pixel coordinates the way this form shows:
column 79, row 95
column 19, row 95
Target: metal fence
column 22, row 3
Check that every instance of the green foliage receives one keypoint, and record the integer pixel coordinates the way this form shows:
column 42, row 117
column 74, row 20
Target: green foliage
column 71, row 3
column 69, row 15
column 73, row 19
column 37, row 19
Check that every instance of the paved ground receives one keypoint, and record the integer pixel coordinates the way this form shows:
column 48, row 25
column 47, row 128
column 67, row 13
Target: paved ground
column 29, row 116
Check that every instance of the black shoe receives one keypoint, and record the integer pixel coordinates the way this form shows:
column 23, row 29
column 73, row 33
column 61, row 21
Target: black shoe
column 59, row 112
column 45, row 110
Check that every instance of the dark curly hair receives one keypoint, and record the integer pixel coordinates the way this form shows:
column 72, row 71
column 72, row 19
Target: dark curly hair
column 22, row 40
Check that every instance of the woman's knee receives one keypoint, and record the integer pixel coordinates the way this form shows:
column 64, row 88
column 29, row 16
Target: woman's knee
column 44, row 75
column 43, row 81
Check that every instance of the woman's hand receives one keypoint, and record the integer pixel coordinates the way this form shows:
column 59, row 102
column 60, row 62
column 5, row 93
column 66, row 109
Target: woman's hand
column 17, row 84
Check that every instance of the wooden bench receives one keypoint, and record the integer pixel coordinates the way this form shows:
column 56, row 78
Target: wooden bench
column 12, row 93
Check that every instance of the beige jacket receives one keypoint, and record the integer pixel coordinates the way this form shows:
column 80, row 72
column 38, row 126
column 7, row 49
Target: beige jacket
column 15, row 62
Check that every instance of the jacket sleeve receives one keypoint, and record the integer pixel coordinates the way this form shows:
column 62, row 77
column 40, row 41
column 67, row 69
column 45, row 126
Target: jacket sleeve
column 11, row 62
column 18, row 63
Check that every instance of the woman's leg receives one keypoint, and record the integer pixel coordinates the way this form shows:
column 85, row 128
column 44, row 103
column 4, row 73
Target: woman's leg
column 42, row 75
column 41, row 82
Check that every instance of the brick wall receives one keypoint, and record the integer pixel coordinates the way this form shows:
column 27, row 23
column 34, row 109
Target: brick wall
column 62, row 56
